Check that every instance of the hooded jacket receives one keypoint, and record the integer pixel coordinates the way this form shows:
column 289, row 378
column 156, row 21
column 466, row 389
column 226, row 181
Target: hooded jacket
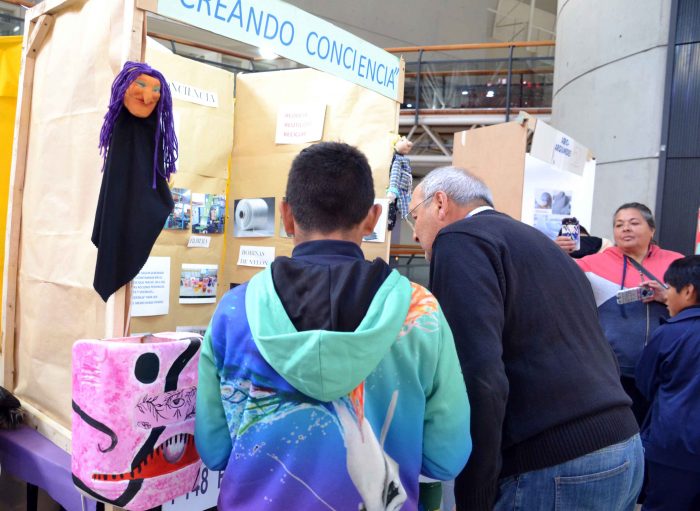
column 333, row 417
column 630, row 326
column 668, row 374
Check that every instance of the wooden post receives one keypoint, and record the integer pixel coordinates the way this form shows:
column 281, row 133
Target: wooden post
column 35, row 33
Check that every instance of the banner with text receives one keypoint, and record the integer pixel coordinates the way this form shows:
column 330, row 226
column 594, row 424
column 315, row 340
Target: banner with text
column 293, row 34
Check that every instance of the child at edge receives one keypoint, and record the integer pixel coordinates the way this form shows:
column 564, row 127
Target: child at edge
column 668, row 374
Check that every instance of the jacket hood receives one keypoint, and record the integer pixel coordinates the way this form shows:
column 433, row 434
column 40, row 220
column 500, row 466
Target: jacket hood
column 325, row 364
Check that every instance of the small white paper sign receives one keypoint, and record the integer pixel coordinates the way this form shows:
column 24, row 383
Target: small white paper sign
column 379, row 233
column 259, row 257
column 297, row 124
column 151, row 288
column 192, row 94
column 199, row 242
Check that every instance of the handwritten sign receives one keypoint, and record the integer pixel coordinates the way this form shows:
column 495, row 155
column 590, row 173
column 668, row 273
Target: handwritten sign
column 260, row 257
column 297, row 124
column 151, row 288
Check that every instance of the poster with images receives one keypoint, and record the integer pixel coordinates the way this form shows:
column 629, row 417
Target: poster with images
column 254, row 218
column 208, row 213
column 198, row 283
column 551, row 206
column 379, row 233
column 199, row 329
column 180, row 217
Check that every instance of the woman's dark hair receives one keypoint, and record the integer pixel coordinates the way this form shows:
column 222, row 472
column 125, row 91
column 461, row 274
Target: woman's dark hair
column 644, row 210
column 684, row 271
column 330, row 187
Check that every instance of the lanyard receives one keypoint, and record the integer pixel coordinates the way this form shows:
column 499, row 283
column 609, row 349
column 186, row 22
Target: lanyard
column 641, row 269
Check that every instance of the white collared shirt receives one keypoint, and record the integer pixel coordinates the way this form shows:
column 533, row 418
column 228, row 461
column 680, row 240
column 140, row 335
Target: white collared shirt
column 478, row 210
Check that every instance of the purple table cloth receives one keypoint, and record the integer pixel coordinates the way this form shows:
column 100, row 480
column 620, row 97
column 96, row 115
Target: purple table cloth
column 27, row 455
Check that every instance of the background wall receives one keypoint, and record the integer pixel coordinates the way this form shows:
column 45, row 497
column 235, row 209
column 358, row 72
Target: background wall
column 608, row 94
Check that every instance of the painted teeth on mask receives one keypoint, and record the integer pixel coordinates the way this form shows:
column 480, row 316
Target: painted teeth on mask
column 174, row 449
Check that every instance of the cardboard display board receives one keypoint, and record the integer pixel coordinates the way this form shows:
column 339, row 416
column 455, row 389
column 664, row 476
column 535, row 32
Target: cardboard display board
column 56, row 180
column 49, row 301
column 553, row 180
column 496, row 154
column 259, row 166
column 205, row 137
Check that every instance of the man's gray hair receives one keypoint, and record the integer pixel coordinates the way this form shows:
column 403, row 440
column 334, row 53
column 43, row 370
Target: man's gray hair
column 458, row 184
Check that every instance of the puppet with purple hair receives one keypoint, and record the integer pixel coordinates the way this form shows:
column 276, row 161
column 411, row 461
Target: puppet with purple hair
column 139, row 150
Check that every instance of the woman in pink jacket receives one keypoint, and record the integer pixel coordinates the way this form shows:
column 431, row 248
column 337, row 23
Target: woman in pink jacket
column 634, row 261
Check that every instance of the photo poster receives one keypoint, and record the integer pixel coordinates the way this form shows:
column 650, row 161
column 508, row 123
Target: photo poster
column 208, row 213
column 254, row 218
column 198, row 283
column 551, row 194
column 379, row 233
column 150, row 289
column 198, row 329
column 181, row 216
column 551, row 207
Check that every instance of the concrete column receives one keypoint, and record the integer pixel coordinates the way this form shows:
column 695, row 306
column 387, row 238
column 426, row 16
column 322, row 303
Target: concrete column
column 609, row 77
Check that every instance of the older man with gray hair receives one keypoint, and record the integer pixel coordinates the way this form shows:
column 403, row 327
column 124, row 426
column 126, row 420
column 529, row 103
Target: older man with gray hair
column 551, row 426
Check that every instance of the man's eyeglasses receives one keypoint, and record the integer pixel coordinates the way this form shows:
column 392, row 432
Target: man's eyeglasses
column 409, row 217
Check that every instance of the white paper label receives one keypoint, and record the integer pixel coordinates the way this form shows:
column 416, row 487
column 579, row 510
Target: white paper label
column 379, row 233
column 199, row 242
column 259, row 257
column 298, row 124
column 151, row 288
column 203, row 496
column 192, row 94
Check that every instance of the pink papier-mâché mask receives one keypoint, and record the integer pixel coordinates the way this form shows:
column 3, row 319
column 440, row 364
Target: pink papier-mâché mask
column 133, row 418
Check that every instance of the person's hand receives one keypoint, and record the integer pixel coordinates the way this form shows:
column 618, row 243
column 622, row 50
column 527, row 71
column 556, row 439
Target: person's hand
column 660, row 292
column 565, row 243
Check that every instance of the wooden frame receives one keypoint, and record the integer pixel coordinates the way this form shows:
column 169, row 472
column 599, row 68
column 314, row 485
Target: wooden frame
column 38, row 23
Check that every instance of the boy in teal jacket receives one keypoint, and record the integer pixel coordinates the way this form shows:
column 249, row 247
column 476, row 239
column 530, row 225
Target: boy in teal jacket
column 328, row 381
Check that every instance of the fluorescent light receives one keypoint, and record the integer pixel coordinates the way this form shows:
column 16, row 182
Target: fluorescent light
column 490, row 94
column 409, row 105
column 465, row 93
column 267, row 53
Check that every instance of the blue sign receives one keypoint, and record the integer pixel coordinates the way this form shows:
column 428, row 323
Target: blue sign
column 293, row 34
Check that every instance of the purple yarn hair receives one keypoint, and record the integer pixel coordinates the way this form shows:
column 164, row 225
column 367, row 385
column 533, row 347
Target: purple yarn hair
column 165, row 129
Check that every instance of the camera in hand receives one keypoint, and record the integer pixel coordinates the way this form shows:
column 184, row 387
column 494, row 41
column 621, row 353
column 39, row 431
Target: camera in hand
column 633, row 294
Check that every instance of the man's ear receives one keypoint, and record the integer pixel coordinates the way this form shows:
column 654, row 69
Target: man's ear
column 287, row 217
column 371, row 219
column 690, row 293
column 442, row 204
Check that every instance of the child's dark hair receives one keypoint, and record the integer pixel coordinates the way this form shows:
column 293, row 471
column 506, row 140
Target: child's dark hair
column 685, row 271
column 330, row 187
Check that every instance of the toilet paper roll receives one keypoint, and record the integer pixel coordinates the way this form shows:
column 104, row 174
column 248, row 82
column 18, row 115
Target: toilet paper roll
column 251, row 214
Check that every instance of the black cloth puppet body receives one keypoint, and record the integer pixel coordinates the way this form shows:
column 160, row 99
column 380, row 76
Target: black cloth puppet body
column 130, row 212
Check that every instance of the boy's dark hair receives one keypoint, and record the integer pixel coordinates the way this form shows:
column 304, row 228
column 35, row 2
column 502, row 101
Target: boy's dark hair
column 330, row 187
column 685, row 271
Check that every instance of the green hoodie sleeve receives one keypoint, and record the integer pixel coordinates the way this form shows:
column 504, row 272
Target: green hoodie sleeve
column 211, row 432
column 446, row 440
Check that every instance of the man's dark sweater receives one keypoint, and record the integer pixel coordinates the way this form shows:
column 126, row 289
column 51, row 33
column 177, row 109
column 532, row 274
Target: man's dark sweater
column 543, row 382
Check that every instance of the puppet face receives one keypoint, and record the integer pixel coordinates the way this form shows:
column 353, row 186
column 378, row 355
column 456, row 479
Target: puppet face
column 142, row 96
column 403, row 146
